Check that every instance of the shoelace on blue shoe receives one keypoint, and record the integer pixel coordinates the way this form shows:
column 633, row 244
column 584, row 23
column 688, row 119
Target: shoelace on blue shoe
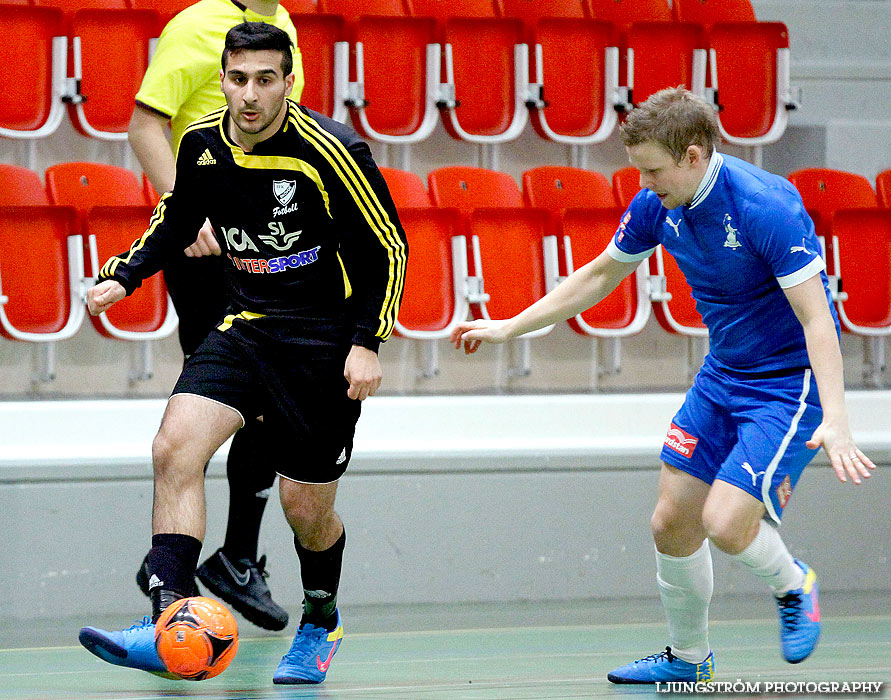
column 790, row 610
column 661, row 656
column 299, row 650
column 144, row 622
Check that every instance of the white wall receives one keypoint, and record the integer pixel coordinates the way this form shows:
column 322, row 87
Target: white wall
column 447, row 499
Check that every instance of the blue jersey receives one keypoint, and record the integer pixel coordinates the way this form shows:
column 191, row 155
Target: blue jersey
column 743, row 238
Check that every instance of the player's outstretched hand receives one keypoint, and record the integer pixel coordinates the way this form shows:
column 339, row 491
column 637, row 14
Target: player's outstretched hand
column 103, row 295
column 206, row 244
column 473, row 333
column 363, row 371
column 845, row 457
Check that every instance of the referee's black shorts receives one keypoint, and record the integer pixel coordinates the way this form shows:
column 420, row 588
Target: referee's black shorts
column 299, row 390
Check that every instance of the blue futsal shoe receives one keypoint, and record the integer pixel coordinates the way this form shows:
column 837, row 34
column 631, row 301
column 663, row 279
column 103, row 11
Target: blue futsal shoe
column 664, row 668
column 310, row 655
column 800, row 618
column 134, row 647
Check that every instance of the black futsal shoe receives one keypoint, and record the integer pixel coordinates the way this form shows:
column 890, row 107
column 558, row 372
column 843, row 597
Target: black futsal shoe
column 242, row 584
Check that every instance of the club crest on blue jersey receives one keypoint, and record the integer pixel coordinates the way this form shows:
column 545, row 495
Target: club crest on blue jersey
column 731, row 241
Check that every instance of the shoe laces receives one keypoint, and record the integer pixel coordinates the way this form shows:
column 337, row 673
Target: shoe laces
column 661, row 656
column 260, row 565
column 790, row 610
column 305, row 644
column 146, row 621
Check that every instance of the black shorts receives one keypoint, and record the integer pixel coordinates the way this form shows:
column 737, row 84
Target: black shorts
column 198, row 289
column 299, row 390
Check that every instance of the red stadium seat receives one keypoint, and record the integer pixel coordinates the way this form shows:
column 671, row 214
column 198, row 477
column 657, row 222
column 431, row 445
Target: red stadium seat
column 707, row 12
column 575, row 69
column 396, row 64
column 41, row 266
column 861, row 245
column 352, row 10
column 325, row 54
column 664, row 54
column 583, row 203
column 166, row 9
column 108, row 38
column 406, row 189
column 627, row 12
column 513, row 249
column 531, row 11
column 113, row 212
column 824, row 190
column 749, row 69
column 33, row 37
column 626, row 184
column 435, row 296
column 486, row 69
column 655, row 51
column 303, row 6
column 883, row 188
column 557, row 187
column 855, row 233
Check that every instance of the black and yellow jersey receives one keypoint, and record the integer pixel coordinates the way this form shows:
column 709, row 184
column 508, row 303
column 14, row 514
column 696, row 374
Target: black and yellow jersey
column 315, row 248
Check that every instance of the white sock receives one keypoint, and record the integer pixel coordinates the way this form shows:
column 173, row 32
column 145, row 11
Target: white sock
column 768, row 558
column 685, row 586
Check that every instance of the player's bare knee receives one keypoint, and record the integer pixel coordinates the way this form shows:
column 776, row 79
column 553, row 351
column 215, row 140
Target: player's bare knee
column 667, row 521
column 727, row 531
column 167, row 454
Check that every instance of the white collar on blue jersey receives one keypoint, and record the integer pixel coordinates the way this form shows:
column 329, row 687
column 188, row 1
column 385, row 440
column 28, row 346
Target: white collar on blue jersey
column 708, row 180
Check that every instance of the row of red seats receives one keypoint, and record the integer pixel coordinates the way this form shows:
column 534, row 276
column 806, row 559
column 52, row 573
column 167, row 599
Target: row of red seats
column 395, row 65
column 53, row 240
column 521, row 245
column 479, row 246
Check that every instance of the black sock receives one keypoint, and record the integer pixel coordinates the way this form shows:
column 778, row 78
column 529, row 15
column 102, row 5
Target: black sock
column 250, row 478
column 171, row 567
column 320, row 573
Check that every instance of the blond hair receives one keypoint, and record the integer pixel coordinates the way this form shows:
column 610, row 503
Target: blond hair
column 674, row 118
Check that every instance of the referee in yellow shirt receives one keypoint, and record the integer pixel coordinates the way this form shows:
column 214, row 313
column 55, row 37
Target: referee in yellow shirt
column 182, row 83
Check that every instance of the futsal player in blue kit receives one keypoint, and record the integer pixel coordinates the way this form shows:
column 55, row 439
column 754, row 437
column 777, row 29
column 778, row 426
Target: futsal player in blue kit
column 769, row 394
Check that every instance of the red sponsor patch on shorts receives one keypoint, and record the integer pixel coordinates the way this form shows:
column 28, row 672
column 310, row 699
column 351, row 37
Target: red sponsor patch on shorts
column 680, row 441
column 784, row 491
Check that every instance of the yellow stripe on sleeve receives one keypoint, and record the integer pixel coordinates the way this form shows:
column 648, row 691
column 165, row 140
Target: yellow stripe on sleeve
column 372, row 210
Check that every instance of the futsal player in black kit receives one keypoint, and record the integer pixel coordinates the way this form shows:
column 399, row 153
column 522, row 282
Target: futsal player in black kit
column 316, row 264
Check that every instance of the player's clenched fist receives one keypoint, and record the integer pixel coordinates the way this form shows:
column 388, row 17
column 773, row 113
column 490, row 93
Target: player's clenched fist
column 103, row 295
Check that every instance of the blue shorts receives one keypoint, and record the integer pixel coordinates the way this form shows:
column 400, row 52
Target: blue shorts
column 748, row 430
